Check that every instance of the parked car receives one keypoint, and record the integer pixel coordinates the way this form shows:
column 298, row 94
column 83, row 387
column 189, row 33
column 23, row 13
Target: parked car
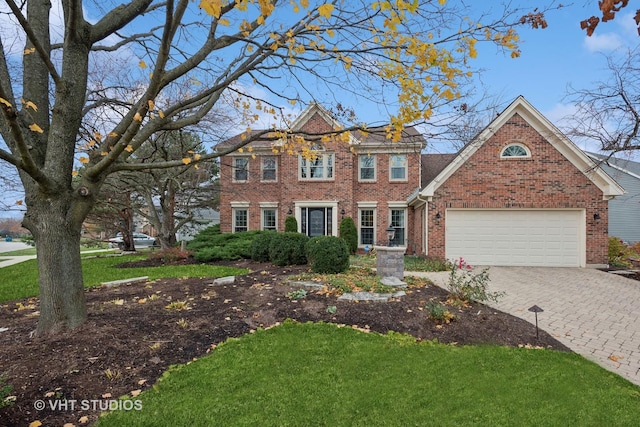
column 140, row 240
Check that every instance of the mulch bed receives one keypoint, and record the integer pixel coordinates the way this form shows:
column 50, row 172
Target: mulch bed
column 131, row 337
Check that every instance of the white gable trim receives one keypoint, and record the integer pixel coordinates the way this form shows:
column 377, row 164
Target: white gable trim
column 609, row 187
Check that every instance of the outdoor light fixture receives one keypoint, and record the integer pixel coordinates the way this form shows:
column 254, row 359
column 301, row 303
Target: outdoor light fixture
column 342, row 212
column 535, row 309
column 438, row 215
column 596, row 217
column 289, row 212
column 391, row 233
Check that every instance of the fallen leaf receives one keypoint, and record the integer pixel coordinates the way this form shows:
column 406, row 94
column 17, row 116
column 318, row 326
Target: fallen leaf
column 83, row 420
column 141, row 382
column 135, row 393
column 106, row 395
column 142, row 300
column 613, row 357
column 49, row 394
column 69, row 425
column 35, row 423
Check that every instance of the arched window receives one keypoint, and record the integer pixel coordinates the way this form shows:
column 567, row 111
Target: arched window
column 515, row 150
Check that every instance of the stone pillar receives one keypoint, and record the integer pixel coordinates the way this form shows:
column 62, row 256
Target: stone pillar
column 390, row 261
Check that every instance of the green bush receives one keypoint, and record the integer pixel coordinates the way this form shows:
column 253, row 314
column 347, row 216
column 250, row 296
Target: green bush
column 619, row 253
column 226, row 246
column 291, row 224
column 327, row 254
column 260, row 246
column 288, row 249
column 349, row 233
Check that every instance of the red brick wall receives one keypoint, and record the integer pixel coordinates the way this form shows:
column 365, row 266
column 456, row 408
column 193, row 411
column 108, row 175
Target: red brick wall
column 546, row 180
column 343, row 188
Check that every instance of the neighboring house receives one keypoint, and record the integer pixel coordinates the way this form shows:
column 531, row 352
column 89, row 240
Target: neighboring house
column 368, row 178
column 624, row 210
column 520, row 193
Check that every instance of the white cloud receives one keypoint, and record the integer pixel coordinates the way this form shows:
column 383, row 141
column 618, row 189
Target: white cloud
column 599, row 42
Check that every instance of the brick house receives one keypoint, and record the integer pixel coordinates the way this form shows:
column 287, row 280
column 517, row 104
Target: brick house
column 520, row 193
column 368, row 179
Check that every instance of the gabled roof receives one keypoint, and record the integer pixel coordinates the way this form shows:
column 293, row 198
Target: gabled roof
column 624, row 165
column 543, row 126
column 374, row 137
column 432, row 165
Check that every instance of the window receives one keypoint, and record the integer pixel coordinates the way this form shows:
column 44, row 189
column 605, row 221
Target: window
column 398, row 222
column 367, row 227
column 398, row 167
column 269, row 219
column 320, row 168
column 515, row 150
column 240, row 169
column 240, row 220
column 268, row 166
column 367, row 165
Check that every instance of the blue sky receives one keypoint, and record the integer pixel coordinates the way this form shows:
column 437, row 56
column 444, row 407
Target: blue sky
column 556, row 57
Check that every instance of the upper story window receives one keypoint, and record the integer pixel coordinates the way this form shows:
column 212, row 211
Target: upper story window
column 240, row 168
column 269, row 169
column 398, row 167
column 367, row 166
column 320, row 168
column 514, row 151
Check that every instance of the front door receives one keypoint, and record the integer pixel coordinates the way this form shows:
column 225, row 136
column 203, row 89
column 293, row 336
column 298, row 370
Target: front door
column 316, row 222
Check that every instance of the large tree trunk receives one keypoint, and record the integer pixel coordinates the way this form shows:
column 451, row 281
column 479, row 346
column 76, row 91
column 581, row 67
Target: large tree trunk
column 57, row 239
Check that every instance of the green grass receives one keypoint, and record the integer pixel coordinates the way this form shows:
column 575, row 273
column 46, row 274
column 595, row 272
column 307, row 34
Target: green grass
column 32, row 251
column 320, row 374
column 21, row 280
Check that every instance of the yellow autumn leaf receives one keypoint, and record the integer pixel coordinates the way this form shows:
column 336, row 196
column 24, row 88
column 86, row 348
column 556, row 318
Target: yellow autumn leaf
column 103, row 153
column 35, row 423
column 29, row 104
column 113, row 134
column 197, row 156
column 134, row 393
column 137, row 117
column 83, row 159
column 29, row 51
column 19, row 202
column 224, row 22
column 240, row 150
column 325, row 10
column 74, row 173
column 161, row 114
column 128, row 148
column 5, row 102
column 35, row 128
column 186, row 160
column 142, row 64
column 212, row 7
column 83, row 420
column 151, row 104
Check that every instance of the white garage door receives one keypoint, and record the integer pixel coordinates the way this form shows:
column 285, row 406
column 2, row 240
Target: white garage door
column 550, row 238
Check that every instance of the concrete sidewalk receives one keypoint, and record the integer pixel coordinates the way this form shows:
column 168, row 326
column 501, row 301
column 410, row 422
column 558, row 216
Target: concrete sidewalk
column 596, row 314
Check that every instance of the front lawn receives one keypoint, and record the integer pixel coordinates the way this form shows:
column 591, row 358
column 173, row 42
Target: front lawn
column 21, row 280
column 322, row 374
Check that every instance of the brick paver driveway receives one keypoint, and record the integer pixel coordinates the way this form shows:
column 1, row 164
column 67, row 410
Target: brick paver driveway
column 594, row 313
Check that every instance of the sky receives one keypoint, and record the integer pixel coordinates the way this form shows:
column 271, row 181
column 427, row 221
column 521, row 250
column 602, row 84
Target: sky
column 551, row 59
column 556, row 57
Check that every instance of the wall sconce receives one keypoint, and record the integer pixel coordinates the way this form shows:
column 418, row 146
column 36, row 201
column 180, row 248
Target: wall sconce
column 596, row 217
column 391, row 233
column 438, row 215
column 342, row 212
column 289, row 212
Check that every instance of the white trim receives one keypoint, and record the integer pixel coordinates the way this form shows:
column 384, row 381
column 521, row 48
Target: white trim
column 368, row 205
column 542, row 125
column 234, row 169
column 398, row 205
column 239, row 204
column 325, row 156
column 405, row 219
column 233, row 217
column 271, row 205
column 268, row 208
column 262, row 169
column 333, row 204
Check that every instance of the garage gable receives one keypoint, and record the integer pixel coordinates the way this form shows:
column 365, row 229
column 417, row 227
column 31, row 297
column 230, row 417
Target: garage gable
column 524, row 110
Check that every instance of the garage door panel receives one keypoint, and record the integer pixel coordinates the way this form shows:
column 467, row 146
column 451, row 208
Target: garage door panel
column 516, row 237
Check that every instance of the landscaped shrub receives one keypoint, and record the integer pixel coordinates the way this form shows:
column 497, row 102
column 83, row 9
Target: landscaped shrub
column 465, row 284
column 171, row 255
column 260, row 246
column 291, row 224
column 349, row 233
column 226, row 246
column 327, row 254
column 619, row 253
column 288, row 249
